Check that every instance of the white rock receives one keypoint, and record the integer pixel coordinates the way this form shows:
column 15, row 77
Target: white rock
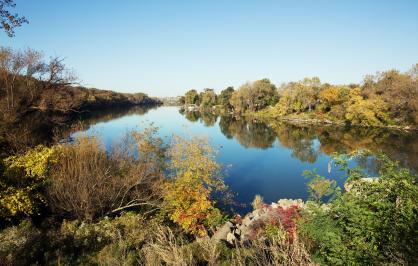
column 230, row 238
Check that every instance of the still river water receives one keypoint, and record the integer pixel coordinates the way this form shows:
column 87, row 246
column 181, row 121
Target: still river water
column 259, row 158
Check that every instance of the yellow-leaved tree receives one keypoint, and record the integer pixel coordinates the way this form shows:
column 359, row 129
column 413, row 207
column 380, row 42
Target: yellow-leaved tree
column 366, row 112
column 195, row 177
column 23, row 178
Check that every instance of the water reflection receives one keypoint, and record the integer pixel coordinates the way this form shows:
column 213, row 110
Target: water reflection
column 45, row 128
column 308, row 142
column 261, row 158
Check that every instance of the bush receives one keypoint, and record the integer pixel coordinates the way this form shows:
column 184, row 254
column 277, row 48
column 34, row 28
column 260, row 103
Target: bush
column 23, row 182
column 195, row 178
column 88, row 183
column 373, row 223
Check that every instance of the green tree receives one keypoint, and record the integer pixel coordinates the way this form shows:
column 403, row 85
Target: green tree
column 373, row 223
column 208, row 98
column 225, row 97
column 299, row 96
column 254, row 96
column 191, row 97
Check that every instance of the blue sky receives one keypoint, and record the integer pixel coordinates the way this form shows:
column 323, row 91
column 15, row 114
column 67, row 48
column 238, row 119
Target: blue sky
column 164, row 48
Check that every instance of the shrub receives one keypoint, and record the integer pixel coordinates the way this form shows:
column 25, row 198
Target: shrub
column 23, row 181
column 88, row 183
column 372, row 223
column 257, row 202
column 19, row 244
column 195, row 178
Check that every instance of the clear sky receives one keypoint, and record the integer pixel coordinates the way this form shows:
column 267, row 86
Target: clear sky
column 164, row 48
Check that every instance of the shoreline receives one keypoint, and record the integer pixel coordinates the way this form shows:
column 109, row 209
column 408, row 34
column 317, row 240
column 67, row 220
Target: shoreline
column 295, row 120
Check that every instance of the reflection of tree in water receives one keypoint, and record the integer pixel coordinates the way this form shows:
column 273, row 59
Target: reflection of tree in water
column 248, row 134
column 192, row 116
column 41, row 128
column 209, row 119
column 299, row 140
column 399, row 146
column 224, row 123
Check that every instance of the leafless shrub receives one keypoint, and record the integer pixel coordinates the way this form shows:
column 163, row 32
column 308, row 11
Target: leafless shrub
column 89, row 183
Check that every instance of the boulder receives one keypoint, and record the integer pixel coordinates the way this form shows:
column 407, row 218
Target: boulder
column 231, row 239
column 222, row 232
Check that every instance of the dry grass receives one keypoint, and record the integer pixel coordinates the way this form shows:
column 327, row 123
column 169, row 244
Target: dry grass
column 265, row 252
column 167, row 249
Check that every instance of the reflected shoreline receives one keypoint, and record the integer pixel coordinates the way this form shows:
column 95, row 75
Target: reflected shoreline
column 308, row 141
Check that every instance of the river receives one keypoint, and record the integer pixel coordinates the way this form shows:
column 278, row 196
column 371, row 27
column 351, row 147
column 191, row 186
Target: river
column 258, row 158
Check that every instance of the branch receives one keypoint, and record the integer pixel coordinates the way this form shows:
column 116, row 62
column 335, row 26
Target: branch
column 133, row 205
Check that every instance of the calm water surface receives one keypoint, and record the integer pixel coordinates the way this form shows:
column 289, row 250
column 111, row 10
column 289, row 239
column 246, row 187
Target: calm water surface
column 262, row 159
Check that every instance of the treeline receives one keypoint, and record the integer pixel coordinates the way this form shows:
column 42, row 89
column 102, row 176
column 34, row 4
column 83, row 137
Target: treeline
column 29, row 82
column 386, row 99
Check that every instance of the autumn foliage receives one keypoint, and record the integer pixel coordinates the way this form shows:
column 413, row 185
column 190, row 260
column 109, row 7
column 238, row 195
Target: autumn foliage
column 195, row 178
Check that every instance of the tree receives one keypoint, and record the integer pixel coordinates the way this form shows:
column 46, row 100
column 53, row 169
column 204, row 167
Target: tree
column 11, row 65
column 254, row 96
column 34, row 69
column 239, row 99
column 330, row 96
column 9, row 21
column 195, row 177
column 208, row 98
column 26, row 72
column 299, row 96
column 225, row 97
column 366, row 112
column 191, row 97
column 182, row 100
column 398, row 90
column 57, row 74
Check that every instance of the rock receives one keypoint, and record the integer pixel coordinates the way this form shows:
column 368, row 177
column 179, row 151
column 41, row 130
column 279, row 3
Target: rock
column 237, row 232
column 349, row 185
column 222, row 232
column 286, row 203
column 247, row 220
column 256, row 213
column 231, row 239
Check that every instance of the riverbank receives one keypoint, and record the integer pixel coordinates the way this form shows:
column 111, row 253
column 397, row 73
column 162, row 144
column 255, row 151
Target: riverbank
column 314, row 119
column 37, row 120
column 294, row 119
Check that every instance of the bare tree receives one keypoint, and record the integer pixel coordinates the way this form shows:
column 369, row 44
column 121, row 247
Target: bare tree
column 5, row 59
column 9, row 21
column 35, row 67
column 57, row 74
column 16, row 67
column 27, row 71
column 11, row 66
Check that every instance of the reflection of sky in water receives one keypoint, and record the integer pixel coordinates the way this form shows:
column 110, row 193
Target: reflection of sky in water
column 274, row 172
